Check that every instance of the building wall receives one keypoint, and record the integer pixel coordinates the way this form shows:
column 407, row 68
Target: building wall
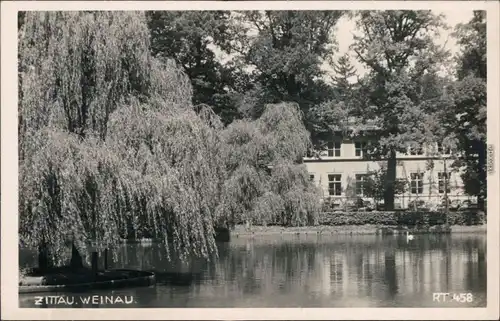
column 348, row 165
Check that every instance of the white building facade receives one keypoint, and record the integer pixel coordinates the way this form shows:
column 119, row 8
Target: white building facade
column 342, row 166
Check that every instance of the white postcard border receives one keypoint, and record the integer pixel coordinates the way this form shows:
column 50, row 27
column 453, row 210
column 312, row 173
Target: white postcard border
column 9, row 170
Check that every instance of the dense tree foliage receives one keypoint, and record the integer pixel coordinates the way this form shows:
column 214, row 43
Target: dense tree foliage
column 470, row 104
column 472, row 37
column 284, row 51
column 343, row 74
column 335, row 115
column 267, row 183
column 191, row 38
column 460, row 124
column 110, row 143
column 399, row 50
column 108, row 136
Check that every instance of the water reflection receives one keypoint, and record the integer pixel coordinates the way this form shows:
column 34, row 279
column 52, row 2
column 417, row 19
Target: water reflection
column 324, row 271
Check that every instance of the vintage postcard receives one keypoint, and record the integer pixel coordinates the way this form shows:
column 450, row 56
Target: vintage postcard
column 239, row 160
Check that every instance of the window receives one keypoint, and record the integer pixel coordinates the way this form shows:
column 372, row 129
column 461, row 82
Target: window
column 416, row 150
column 417, row 183
column 334, row 184
column 333, row 149
column 442, row 150
column 360, row 148
column 442, row 176
column 311, row 177
column 360, row 184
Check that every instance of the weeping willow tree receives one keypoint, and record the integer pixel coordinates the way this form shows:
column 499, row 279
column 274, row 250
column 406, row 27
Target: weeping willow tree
column 111, row 145
column 108, row 138
column 265, row 180
column 172, row 173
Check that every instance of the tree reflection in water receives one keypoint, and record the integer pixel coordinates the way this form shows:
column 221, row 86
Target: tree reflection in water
column 336, row 271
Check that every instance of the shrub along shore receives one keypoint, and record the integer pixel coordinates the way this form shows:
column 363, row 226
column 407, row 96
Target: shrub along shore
column 403, row 218
column 375, row 222
column 383, row 222
column 241, row 231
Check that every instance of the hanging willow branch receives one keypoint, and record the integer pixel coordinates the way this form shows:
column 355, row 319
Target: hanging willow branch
column 109, row 141
column 110, row 144
column 265, row 183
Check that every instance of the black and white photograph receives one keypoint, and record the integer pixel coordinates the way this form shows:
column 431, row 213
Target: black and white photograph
column 234, row 155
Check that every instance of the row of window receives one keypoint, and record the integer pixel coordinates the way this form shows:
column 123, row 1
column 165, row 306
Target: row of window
column 360, row 148
column 416, row 183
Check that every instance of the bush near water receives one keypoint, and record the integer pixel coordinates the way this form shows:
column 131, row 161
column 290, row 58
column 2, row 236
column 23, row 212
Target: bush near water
column 404, row 218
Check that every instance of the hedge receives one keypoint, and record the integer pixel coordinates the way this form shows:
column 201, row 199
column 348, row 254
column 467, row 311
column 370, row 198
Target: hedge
column 406, row 218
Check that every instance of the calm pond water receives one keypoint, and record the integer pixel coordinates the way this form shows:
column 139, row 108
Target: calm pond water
column 305, row 271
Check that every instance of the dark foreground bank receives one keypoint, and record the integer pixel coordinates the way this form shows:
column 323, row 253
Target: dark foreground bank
column 67, row 279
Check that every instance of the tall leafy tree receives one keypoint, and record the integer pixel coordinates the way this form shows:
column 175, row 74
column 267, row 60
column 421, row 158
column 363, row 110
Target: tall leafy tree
column 334, row 116
column 191, row 38
column 472, row 38
column 266, row 182
column 398, row 49
column 108, row 138
column 470, row 104
column 284, row 51
column 344, row 72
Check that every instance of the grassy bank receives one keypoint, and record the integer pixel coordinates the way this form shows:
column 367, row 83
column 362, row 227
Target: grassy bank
column 241, row 230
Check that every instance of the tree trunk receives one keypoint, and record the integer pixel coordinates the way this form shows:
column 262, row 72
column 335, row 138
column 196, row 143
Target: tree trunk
column 95, row 266
column 76, row 259
column 389, row 183
column 106, row 253
column 44, row 261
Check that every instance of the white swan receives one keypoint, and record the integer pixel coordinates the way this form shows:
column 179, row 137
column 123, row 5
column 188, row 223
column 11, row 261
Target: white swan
column 409, row 237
